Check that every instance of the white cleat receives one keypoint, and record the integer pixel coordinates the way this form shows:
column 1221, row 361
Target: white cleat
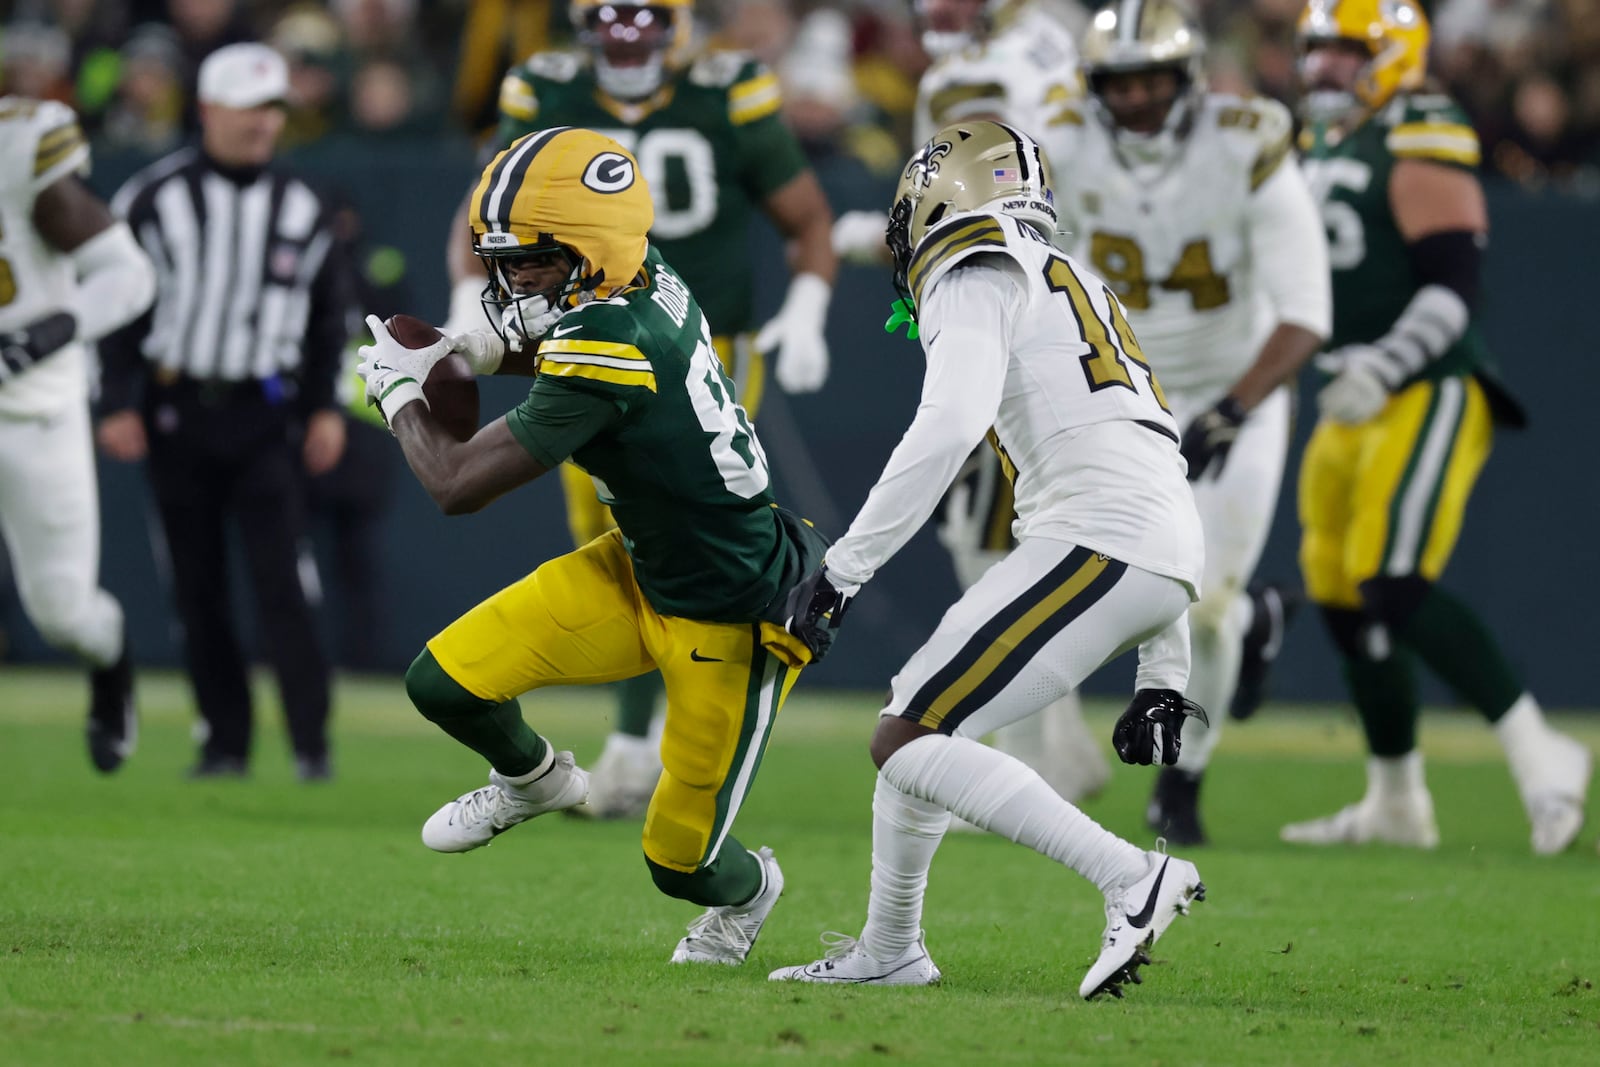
column 726, row 934
column 1136, row 917
column 1405, row 819
column 473, row 819
column 1555, row 799
column 847, row 963
column 623, row 779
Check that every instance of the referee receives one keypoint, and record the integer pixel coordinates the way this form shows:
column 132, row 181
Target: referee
column 235, row 362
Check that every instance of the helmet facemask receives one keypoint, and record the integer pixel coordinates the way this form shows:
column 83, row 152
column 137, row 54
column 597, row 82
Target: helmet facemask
column 630, row 44
column 521, row 318
column 1159, row 144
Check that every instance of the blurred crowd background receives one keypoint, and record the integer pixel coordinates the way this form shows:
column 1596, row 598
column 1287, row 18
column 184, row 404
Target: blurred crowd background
column 1527, row 70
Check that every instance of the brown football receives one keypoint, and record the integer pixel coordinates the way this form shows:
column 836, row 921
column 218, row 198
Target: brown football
column 451, row 388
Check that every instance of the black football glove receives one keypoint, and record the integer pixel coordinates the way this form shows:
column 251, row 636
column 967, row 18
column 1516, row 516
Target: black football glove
column 1150, row 731
column 814, row 610
column 1209, row 438
column 21, row 349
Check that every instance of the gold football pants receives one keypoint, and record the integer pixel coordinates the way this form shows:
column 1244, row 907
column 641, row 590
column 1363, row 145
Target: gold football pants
column 587, row 518
column 581, row 618
column 1387, row 497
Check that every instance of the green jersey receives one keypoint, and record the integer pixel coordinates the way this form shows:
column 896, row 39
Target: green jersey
column 631, row 390
column 710, row 143
column 1372, row 276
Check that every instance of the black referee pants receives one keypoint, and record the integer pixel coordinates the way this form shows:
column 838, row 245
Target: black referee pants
column 221, row 453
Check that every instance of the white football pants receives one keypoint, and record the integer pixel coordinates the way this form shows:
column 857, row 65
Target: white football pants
column 1236, row 509
column 50, row 522
column 1032, row 629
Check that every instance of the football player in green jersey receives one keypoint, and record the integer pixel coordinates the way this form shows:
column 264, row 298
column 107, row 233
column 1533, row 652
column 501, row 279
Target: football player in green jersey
column 693, row 581
column 1407, row 419
column 707, row 133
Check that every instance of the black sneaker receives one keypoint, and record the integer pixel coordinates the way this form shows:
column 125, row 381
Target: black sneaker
column 1174, row 810
column 214, row 766
column 113, row 729
column 1274, row 607
column 313, row 768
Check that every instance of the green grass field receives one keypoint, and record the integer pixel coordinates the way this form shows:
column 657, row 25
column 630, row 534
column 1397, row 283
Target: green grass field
column 149, row 920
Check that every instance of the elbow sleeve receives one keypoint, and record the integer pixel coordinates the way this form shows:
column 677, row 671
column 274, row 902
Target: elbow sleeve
column 1452, row 259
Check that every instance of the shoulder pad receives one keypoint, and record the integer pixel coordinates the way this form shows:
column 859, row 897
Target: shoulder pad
column 518, row 100
column 753, row 90
column 42, row 143
column 553, row 66
column 596, row 343
column 1434, row 127
column 1262, row 129
column 962, row 97
column 721, row 69
column 954, row 240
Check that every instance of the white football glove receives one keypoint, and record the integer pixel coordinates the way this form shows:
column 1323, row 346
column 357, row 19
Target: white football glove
column 482, row 349
column 858, row 237
column 796, row 332
column 1364, row 375
column 394, row 373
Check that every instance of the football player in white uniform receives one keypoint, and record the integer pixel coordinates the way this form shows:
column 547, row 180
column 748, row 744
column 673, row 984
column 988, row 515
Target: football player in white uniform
column 1010, row 61
column 1192, row 208
column 69, row 274
column 1023, row 345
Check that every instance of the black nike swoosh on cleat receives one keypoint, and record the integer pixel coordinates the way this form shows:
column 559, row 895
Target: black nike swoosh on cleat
column 1146, row 913
column 695, row 655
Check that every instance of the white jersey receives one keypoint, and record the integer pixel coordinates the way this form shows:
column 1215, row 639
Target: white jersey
column 40, row 143
column 1081, row 423
column 1026, row 75
column 1175, row 241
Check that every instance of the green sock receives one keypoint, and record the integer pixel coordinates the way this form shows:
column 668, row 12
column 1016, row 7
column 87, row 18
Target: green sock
column 1456, row 646
column 1385, row 695
column 636, row 703
column 735, row 878
column 496, row 732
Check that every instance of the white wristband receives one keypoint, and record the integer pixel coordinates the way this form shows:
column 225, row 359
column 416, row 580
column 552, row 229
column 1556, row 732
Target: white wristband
column 401, row 392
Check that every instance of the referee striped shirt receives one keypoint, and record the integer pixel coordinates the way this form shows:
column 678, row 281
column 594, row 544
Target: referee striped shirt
column 249, row 282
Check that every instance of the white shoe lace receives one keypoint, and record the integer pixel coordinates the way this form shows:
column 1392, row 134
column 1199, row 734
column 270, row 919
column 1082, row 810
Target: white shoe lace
column 840, row 946
column 719, row 927
column 481, row 804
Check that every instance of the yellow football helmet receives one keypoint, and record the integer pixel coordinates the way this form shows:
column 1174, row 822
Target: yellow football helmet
column 633, row 44
column 968, row 166
column 564, row 191
column 1394, row 32
column 1145, row 35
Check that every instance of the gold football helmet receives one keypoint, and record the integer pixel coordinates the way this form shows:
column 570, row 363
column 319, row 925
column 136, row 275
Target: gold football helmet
column 1395, row 34
column 1137, row 36
column 633, row 44
column 968, row 166
column 567, row 192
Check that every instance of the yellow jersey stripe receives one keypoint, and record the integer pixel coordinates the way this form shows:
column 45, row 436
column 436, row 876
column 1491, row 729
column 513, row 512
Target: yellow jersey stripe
column 751, row 88
column 597, row 373
column 1466, row 155
column 584, row 346
column 757, row 108
column 1013, row 635
column 944, row 244
column 1449, row 129
column 517, row 99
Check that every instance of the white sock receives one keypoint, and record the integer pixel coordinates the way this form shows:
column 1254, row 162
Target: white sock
column 97, row 633
column 905, row 834
column 1005, row 796
column 524, row 784
column 1396, row 776
column 1526, row 738
column 1216, row 647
